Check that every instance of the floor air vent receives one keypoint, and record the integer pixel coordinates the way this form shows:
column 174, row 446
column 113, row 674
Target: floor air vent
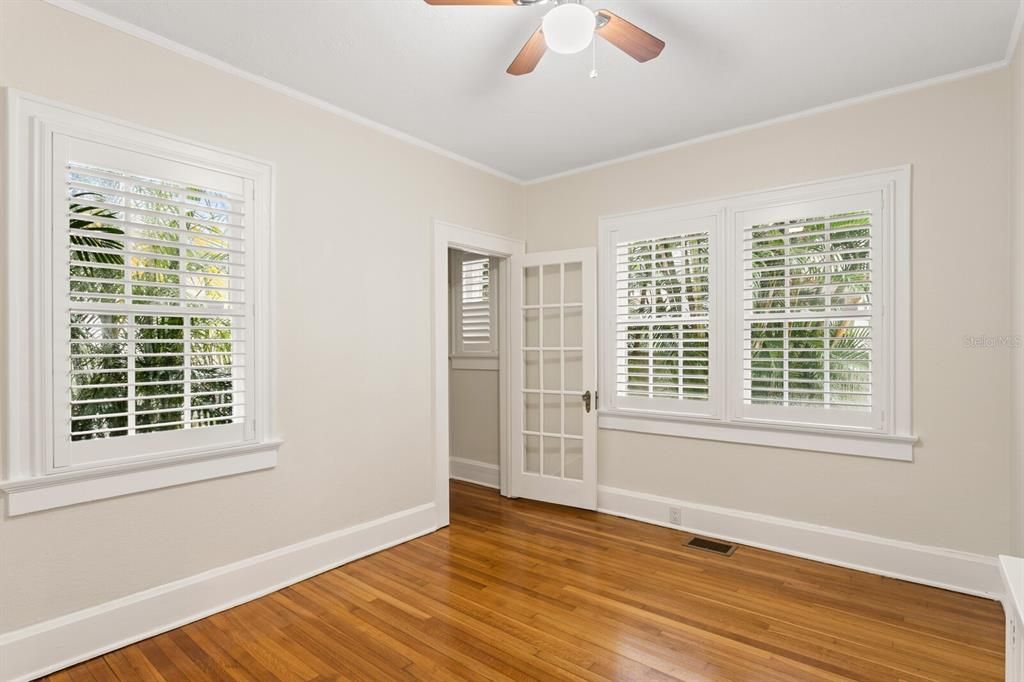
column 714, row 546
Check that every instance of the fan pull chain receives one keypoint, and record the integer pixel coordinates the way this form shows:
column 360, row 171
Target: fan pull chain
column 593, row 53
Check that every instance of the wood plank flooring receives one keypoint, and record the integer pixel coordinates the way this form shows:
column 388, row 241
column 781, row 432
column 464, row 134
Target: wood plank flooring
column 524, row 590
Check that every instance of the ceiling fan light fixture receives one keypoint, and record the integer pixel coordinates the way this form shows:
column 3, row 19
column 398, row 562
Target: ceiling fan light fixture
column 569, row 28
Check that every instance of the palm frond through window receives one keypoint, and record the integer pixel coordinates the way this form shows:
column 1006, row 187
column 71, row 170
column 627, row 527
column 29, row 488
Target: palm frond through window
column 156, row 282
column 662, row 300
column 807, row 310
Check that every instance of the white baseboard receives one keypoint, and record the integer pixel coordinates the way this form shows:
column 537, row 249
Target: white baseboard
column 39, row 649
column 58, row 643
column 949, row 569
column 472, row 471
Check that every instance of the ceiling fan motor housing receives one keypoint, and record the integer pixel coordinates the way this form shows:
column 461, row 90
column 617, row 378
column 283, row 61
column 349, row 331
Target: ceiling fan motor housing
column 569, row 28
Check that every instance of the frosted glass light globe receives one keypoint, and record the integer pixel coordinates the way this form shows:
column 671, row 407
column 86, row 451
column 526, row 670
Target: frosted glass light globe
column 569, row 28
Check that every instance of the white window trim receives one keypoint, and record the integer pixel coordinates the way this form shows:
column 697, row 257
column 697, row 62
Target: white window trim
column 704, row 217
column 29, row 479
column 894, row 440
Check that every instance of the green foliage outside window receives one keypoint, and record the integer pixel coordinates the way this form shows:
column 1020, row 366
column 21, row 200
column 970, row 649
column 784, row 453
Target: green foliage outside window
column 130, row 372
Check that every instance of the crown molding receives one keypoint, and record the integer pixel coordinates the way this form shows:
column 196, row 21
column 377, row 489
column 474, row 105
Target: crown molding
column 160, row 41
column 80, row 9
column 786, row 118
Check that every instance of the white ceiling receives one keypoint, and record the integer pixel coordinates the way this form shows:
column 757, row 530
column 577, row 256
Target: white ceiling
column 438, row 73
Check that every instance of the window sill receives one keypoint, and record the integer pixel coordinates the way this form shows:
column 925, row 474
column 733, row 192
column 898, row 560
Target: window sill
column 85, row 485
column 880, row 446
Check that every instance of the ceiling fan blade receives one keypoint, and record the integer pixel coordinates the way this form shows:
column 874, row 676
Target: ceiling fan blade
column 471, row 2
column 528, row 57
column 634, row 41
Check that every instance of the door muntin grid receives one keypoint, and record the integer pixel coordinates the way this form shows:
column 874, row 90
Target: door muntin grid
column 552, row 345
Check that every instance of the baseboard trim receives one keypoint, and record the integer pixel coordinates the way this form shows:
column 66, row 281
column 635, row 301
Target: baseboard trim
column 46, row 647
column 43, row 648
column 472, row 471
column 973, row 574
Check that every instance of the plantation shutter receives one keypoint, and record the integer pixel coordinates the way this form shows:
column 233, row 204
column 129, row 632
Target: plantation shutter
column 810, row 312
column 156, row 304
column 475, row 306
column 663, row 321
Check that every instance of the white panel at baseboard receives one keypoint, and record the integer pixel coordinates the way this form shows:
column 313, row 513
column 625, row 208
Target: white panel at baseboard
column 45, row 647
column 1012, row 570
column 471, row 471
column 949, row 569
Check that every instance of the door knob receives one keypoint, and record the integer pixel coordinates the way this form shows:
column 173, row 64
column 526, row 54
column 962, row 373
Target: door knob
column 586, row 401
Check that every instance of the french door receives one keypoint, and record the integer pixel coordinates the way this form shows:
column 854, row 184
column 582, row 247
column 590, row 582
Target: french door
column 554, row 377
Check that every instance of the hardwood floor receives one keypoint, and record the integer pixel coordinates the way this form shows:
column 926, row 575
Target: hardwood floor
column 524, row 590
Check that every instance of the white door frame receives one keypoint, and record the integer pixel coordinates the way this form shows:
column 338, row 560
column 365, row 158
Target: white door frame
column 448, row 236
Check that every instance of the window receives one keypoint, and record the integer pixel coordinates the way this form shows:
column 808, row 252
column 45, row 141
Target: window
column 154, row 306
column 157, row 261
column 806, row 294
column 474, row 306
column 808, row 312
column 663, row 329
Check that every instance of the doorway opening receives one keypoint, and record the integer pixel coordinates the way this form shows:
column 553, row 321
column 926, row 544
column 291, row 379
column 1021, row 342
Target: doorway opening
column 475, row 427
column 454, row 244
column 537, row 313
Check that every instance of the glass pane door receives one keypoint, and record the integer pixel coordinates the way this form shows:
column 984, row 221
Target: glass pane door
column 554, row 342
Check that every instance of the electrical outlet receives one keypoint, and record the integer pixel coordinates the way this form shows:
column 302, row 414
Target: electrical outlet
column 675, row 516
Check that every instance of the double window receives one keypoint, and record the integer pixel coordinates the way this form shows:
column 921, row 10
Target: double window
column 139, row 335
column 777, row 318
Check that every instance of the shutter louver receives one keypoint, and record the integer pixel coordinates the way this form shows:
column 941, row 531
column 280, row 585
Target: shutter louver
column 156, row 304
column 808, row 288
column 662, row 313
column 475, row 323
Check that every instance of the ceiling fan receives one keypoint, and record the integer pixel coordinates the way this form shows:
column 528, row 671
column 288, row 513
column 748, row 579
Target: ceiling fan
column 568, row 28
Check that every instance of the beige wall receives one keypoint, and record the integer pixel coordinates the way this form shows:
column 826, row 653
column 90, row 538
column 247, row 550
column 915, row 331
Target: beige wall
column 956, row 493
column 348, row 339
column 473, row 401
column 474, row 415
column 346, row 460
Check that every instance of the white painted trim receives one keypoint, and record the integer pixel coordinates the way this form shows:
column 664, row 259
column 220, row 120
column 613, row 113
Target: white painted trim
column 448, row 236
column 1018, row 23
column 851, row 182
column 190, row 53
column 58, row 643
column 727, row 421
column 825, row 108
column 154, row 38
column 60, row 490
column 504, row 270
column 1012, row 569
column 881, row 446
column 472, row 471
column 948, row 569
column 29, row 467
column 702, row 217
